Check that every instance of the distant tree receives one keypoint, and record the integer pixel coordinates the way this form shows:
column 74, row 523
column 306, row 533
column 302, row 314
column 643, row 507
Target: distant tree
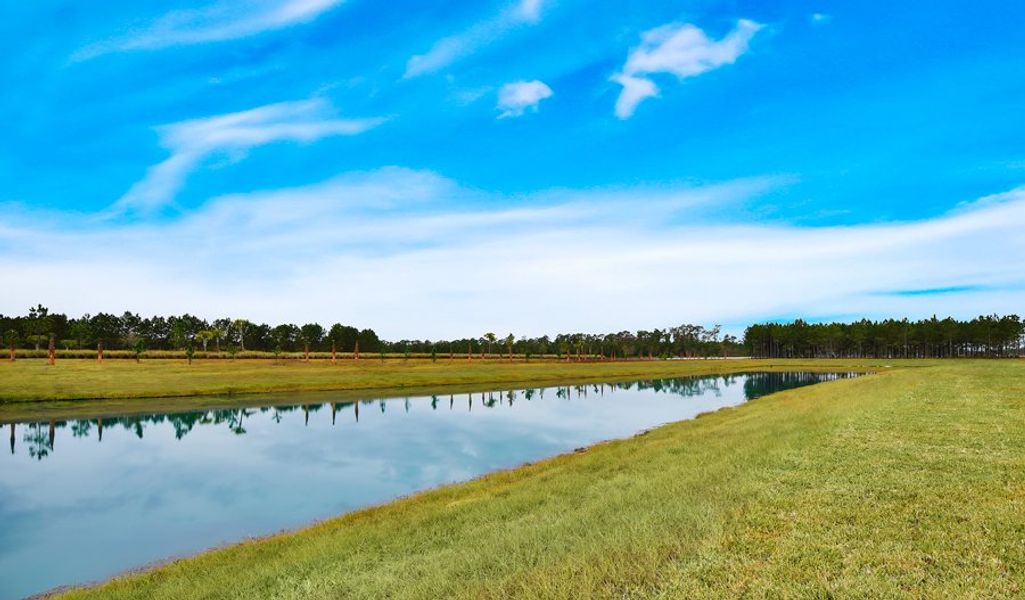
column 106, row 329
column 369, row 342
column 490, row 338
column 311, row 335
column 509, row 341
column 39, row 325
column 285, row 335
column 344, row 336
column 205, row 336
column 139, row 348
column 80, row 331
column 241, row 326
column 131, row 327
column 221, row 329
column 12, row 343
column 179, row 334
column 728, row 341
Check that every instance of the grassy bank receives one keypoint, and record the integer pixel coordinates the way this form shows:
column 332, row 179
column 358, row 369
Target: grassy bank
column 909, row 482
column 114, row 382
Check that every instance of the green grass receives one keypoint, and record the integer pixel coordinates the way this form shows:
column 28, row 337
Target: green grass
column 904, row 483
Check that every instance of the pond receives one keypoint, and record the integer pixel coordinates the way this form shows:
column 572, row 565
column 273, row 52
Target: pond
column 83, row 500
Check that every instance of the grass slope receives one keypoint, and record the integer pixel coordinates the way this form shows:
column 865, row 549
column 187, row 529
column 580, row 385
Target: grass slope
column 910, row 482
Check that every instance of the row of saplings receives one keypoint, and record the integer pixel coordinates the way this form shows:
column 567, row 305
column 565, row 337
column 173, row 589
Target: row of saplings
column 139, row 348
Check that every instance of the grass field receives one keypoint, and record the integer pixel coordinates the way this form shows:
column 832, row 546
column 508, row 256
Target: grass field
column 904, row 483
column 174, row 384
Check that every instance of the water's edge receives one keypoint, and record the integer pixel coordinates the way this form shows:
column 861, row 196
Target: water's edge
column 26, row 411
column 565, row 455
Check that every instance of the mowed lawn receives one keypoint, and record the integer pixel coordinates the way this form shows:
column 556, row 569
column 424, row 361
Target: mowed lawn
column 905, row 483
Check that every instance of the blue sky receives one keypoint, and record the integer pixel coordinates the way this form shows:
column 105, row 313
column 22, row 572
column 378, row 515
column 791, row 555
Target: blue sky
column 524, row 165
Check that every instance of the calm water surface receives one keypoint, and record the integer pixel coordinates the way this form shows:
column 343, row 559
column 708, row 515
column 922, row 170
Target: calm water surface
column 84, row 500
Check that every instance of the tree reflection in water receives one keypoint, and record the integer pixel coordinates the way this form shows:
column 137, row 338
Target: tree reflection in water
column 40, row 442
column 40, row 437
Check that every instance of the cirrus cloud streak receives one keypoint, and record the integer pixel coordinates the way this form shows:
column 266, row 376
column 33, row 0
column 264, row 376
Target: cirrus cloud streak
column 218, row 22
column 191, row 142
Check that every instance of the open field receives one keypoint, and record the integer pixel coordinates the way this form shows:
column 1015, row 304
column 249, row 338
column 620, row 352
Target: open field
column 111, row 386
column 908, row 482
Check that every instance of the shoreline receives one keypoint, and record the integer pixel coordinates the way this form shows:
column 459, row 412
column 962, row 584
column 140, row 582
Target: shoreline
column 449, row 381
column 356, row 513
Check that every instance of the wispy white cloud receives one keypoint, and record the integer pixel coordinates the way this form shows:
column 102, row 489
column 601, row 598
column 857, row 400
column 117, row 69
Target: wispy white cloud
column 191, row 142
column 455, row 47
column 518, row 97
column 683, row 50
column 530, row 10
column 414, row 254
column 635, row 90
column 221, row 21
column 820, row 18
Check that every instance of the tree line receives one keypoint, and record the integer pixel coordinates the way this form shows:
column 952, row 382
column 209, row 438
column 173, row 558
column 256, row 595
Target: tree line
column 680, row 341
column 129, row 331
column 133, row 332
column 984, row 336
